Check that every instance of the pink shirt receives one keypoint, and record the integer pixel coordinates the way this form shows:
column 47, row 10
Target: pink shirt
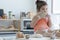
column 41, row 24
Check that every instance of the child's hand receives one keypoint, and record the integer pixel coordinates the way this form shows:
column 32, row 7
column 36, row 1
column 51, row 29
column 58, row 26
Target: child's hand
column 40, row 32
column 42, row 14
column 34, row 20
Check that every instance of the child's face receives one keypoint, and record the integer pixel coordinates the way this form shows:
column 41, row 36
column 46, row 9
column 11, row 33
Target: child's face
column 44, row 9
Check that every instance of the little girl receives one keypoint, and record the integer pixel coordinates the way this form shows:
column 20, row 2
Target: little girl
column 41, row 20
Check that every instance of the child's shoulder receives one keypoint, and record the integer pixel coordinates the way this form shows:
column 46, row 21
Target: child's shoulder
column 35, row 17
column 48, row 15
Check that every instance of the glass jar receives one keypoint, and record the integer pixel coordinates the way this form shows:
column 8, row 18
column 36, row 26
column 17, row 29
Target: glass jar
column 10, row 14
column 13, row 16
column 4, row 16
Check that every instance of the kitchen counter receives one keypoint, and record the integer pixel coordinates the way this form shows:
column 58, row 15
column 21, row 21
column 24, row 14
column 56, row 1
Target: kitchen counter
column 13, row 37
column 28, row 31
column 36, row 39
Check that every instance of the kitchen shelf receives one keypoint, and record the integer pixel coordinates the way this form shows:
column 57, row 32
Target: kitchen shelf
column 28, row 30
column 14, row 22
column 8, row 32
column 9, row 19
column 8, row 29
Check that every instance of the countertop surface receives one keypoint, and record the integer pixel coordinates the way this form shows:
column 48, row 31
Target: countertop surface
column 14, row 38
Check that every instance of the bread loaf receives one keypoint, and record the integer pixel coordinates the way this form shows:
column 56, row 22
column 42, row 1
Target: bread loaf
column 19, row 35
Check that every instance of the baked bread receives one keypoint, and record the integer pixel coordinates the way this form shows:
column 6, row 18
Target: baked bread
column 19, row 35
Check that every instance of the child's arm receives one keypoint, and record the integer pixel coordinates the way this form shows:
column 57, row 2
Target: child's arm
column 34, row 21
column 49, row 21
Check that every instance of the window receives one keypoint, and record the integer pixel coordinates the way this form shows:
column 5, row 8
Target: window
column 55, row 6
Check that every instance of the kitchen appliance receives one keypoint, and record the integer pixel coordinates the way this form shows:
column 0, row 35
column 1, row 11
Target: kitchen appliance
column 25, row 24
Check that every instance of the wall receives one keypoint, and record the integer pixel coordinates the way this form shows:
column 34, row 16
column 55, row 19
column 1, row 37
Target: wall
column 16, row 6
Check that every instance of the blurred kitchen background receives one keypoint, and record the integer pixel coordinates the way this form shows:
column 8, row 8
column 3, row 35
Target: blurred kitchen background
column 18, row 6
column 24, row 10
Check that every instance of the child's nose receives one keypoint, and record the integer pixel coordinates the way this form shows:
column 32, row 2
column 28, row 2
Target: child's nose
column 45, row 10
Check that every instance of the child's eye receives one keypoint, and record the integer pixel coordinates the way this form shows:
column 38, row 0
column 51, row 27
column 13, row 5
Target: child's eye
column 43, row 9
column 46, row 8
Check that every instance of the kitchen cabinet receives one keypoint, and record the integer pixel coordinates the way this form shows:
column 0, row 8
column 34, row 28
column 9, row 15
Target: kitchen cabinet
column 8, row 26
